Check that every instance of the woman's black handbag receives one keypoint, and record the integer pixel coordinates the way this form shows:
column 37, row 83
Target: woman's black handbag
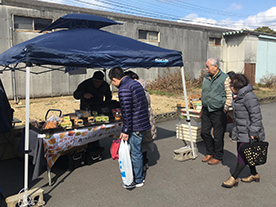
column 255, row 152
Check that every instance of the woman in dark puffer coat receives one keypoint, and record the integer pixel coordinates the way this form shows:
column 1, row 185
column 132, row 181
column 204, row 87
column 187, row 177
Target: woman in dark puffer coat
column 247, row 124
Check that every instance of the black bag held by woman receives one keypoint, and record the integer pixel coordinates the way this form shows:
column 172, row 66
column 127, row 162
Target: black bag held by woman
column 255, row 152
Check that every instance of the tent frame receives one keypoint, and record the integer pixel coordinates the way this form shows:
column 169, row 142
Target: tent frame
column 35, row 51
column 27, row 108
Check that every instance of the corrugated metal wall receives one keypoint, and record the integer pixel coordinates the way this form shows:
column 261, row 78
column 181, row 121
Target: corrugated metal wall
column 266, row 57
column 234, row 53
column 239, row 50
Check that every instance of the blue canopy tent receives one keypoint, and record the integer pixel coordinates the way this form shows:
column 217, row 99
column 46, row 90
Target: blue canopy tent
column 87, row 47
column 76, row 20
column 93, row 48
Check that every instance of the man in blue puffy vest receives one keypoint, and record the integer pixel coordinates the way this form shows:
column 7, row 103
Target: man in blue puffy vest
column 134, row 108
column 216, row 99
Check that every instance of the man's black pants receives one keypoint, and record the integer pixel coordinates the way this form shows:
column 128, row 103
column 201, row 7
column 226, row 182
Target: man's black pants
column 218, row 121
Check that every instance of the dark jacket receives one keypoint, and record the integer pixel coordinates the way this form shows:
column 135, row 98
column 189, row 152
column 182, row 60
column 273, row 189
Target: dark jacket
column 98, row 94
column 213, row 95
column 247, row 119
column 6, row 112
column 134, row 106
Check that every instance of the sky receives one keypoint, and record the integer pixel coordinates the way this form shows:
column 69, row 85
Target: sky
column 232, row 14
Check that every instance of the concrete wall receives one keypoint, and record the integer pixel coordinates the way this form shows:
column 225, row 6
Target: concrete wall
column 191, row 40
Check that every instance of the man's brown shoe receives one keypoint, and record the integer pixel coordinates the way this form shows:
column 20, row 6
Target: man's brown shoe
column 214, row 162
column 207, row 158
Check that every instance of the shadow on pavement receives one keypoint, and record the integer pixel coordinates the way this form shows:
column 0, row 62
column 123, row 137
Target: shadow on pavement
column 164, row 133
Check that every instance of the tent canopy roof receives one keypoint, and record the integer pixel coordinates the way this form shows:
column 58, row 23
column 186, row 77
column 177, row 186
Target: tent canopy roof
column 86, row 47
column 74, row 20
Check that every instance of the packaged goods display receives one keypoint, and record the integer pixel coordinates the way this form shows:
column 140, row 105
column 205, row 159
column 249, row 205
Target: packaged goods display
column 78, row 122
column 78, row 119
column 91, row 119
column 102, row 119
column 117, row 114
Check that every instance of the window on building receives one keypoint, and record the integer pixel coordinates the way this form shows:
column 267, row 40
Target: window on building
column 213, row 41
column 29, row 23
column 148, row 36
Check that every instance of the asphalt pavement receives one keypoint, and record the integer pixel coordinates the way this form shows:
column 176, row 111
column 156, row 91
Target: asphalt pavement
column 168, row 182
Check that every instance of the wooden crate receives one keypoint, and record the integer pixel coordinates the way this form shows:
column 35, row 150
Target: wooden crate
column 183, row 133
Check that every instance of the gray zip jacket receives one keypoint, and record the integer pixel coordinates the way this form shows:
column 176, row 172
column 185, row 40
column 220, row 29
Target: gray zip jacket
column 247, row 119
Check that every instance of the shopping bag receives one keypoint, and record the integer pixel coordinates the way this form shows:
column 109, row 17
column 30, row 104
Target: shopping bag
column 114, row 149
column 255, row 152
column 125, row 163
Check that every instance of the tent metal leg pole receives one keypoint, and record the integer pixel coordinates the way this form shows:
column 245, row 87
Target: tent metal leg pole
column 26, row 157
column 49, row 175
column 187, row 110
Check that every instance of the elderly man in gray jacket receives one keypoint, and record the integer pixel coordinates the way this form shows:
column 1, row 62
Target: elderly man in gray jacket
column 216, row 99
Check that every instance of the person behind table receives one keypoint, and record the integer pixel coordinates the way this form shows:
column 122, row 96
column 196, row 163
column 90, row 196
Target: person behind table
column 247, row 124
column 216, row 99
column 147, row 144
column 93, row 91
column 134, row 108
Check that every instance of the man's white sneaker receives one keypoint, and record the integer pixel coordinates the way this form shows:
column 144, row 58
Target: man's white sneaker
column 132, row 185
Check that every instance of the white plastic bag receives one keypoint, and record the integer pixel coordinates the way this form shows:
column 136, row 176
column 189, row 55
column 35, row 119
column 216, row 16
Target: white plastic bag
column 125, row 163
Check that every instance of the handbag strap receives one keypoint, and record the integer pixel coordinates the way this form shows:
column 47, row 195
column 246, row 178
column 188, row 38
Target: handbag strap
column 254, row 140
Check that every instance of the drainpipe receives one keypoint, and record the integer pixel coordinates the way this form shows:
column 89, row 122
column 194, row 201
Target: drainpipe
column 15, row 98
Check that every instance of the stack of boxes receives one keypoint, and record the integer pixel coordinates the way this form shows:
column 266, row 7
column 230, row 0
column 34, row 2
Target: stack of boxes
column 183, row 133
column 182, row 130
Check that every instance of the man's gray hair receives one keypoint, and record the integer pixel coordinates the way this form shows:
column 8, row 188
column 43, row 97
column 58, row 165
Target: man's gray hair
column 214, row 61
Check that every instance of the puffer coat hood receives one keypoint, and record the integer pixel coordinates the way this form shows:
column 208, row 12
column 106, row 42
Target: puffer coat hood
column 247, row 120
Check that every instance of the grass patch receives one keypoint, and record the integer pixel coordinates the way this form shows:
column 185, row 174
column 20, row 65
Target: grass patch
column 161, row 93
column 264, row 92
